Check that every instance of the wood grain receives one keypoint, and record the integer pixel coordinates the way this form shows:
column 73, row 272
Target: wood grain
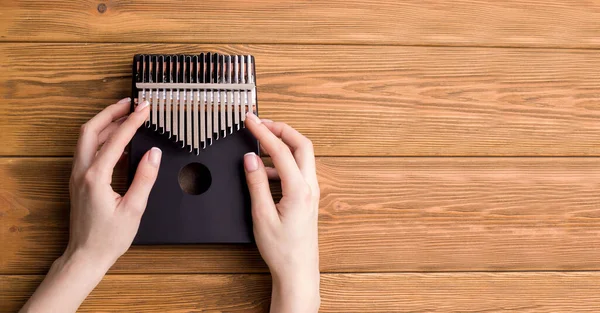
column 376, row 215
column 379, row 86
column 350, row 100
column 549, row 23
column 451, row 292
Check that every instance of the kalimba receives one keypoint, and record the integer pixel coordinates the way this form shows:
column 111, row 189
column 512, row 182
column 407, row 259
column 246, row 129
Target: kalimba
column 198, row 104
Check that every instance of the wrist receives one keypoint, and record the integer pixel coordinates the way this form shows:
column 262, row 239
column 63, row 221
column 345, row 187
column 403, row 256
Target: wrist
column 297, row 293
column 87, row 258
column 80, row 261
column 70, row 279
column 76, row 268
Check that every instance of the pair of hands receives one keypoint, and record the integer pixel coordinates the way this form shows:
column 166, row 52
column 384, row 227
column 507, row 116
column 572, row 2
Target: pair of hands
column 104, row 223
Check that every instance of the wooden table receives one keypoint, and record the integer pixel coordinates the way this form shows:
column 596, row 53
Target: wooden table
column 457, row 147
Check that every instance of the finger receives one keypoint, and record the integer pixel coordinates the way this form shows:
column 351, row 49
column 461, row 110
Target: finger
column 87, row 145
column 122, row 164
column 301, row 147
column 136, row 197
column 272, row 173
column 291, row 177
column 109, row 130
column 263, row 152
column 263, row 207
column 115, row 145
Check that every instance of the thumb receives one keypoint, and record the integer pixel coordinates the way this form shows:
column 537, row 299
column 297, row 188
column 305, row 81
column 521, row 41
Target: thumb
column 263, row 207
column 136, row 197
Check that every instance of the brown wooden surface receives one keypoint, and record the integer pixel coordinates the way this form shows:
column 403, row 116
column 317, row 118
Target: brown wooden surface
column 377, row 215
column 350, row 100
column 548, row 23
column 344, row 293
column 458, row 145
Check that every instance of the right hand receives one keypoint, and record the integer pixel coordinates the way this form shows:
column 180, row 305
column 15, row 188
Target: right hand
column 286, row 233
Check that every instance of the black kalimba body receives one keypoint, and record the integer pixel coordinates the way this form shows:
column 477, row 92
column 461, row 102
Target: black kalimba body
column 198, row 105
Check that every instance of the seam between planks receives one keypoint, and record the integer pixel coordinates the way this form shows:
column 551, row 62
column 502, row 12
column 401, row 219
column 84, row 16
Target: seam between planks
column 540, row 47
column 369, row 156
column 333, row 273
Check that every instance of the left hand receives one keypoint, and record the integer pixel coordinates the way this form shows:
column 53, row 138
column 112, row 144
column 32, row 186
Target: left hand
column 104, row 223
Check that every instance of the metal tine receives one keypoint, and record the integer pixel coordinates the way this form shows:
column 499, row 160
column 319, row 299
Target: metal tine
column 138, row 68
column 202, row 76
column 209, row 98
column 216, row 97
column 182, row 100
column 154, row 102
column 149, row 90
column 229, row 96
column 243, row 92
column 190, row 93
column 195, row 132
column 142, row 93
column 175, row 97
column 222, row 96
column 148, row 96
column 147, row 76
column 169, row 97
column 161, row 95
column 252, row 101
column 236, row 93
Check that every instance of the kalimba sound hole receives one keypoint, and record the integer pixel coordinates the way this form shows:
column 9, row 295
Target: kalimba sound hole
column 194, row 179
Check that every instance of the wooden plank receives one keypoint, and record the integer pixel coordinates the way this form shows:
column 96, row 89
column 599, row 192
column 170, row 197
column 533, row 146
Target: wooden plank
column 376, row 215
column 157, row 293
column 550, row 23
column 433, row 292
column 350, row 100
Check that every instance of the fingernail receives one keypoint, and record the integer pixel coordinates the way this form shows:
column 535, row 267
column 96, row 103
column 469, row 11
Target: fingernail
column 253, row 117
column 154, row 157
column 266, row 120
column 250, row 162
column 124, row 100
column 141, row 106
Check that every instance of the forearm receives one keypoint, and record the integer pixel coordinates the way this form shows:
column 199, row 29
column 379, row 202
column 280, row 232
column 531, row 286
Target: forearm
column 70, row 280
